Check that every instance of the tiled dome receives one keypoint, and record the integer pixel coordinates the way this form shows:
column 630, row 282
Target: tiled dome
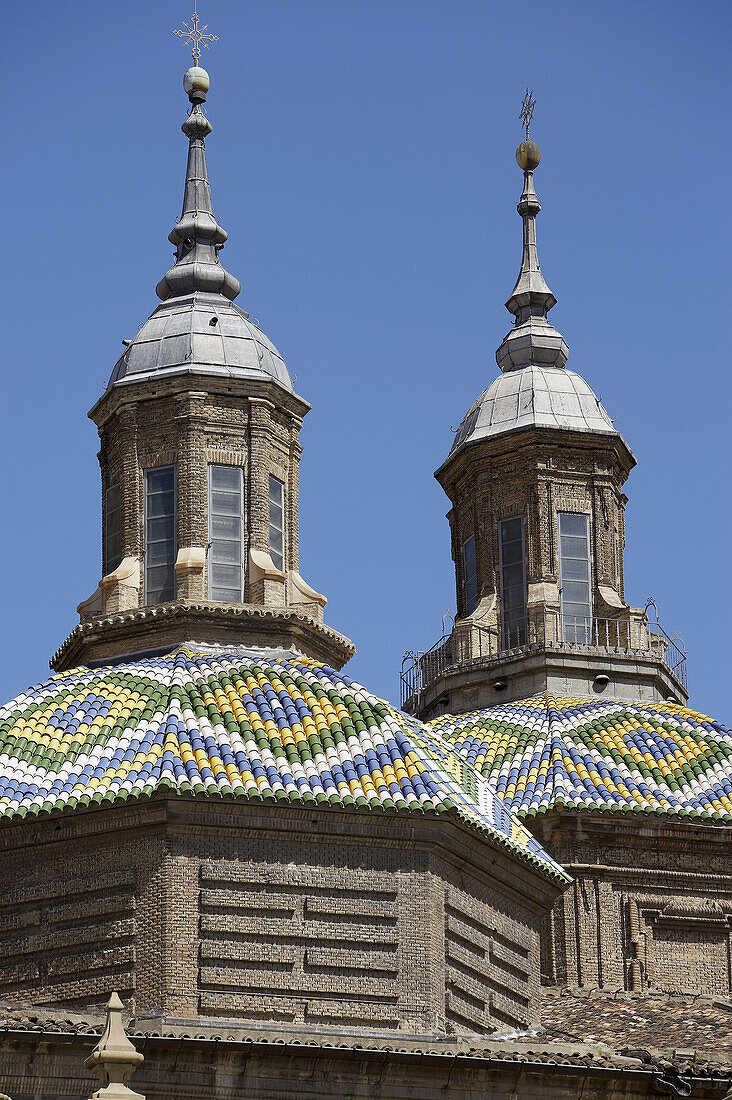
column 551, row 752
column 205, row 332
column 535, row 396
column 240, row 725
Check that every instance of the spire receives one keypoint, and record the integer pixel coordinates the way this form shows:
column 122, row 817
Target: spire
column 197, row 236
column 533, row 340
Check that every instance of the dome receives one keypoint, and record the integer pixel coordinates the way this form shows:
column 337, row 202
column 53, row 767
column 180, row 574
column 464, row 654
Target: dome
column 533, row 397
column 203, row 332
column 241, row 724
column 553, row 752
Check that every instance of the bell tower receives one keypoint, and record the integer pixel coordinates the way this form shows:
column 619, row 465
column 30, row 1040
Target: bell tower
column 535, row 480
column 199, row 454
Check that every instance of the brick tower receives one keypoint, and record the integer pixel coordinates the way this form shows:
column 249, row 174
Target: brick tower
column 535, row 478
column 199, row 456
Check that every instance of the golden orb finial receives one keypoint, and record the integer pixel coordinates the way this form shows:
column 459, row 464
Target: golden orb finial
column 528, row 153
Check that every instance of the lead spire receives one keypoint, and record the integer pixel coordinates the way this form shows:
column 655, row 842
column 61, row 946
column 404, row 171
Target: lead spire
column 197, row 236
column 533, row 340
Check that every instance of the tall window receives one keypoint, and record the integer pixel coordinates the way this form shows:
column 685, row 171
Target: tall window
column 617, row 562
column 226, row 533
column 112, row 528
column 160, row 540
column 470, row 575
column 277, row 522
column 574, row 577
column 513, row 582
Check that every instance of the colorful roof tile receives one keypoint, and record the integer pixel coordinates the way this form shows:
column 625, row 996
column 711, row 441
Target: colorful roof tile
column 553, row 752
column 236, row 724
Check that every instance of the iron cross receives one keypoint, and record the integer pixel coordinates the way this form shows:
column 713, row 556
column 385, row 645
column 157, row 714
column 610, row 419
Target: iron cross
column 195, row 36
column 527, row 110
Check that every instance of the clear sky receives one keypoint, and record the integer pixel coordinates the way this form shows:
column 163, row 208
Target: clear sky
column 362, row 161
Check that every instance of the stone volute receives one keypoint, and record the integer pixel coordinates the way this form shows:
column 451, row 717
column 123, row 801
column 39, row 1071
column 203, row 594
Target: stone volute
column 199, row 430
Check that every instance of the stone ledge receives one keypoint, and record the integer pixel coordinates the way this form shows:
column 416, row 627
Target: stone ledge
column 127, row 632
column 561, row 670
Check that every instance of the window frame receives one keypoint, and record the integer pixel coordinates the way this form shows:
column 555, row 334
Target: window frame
column 146, row 566
column 522, row 637
column 279, row 481
column 466, row 600
column 242, row 531
column 588, row 631
column 107, row 567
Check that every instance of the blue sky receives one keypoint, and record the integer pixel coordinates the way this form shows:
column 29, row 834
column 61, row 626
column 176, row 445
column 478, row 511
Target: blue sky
column 362, row 161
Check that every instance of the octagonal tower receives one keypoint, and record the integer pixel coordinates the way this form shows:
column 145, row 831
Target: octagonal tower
column 199, row 428
column 535, row 479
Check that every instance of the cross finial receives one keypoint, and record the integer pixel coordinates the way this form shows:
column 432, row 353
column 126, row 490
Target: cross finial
column 527, row 110
column 195, row 36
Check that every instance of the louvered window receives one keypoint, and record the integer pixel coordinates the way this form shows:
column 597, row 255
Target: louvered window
column 226, row 554
column 160, row 535
column 513, row 582
column 277, row 522
column 574, row 577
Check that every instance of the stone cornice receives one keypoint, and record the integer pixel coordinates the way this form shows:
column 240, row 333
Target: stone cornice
column 119, row 397
column 506, row 446
column 188, row 612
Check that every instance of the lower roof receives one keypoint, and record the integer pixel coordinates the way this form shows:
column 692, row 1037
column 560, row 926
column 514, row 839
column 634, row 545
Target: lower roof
column 674, row 1038
column 236, row 723
column 557, row 752
column 687, row 1027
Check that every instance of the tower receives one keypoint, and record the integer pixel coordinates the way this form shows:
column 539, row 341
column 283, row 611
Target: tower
column 535, row 478
column 199, row 431
column 274, row 844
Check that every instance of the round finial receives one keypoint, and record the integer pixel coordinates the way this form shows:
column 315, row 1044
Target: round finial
column 196, row 84
column 528, row 156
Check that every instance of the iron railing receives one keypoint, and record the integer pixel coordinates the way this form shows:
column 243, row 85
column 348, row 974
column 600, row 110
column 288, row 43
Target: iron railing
column 472, row 642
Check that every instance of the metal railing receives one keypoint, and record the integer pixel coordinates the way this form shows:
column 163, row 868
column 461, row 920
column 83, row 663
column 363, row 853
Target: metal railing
column 471, row 642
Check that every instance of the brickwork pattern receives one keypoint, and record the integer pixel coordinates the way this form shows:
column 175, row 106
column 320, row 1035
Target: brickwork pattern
column 536, row 475
column 305, row 917
column 650, row 908
column 185, row 424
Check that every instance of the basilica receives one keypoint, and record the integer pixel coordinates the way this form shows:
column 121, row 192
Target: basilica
column 231, row 870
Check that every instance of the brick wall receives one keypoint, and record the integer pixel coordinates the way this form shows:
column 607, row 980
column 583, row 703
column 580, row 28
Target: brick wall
column 214, row 909
column 285, row 1067
column 536, row 474
column 650, row 907
column 188, row 423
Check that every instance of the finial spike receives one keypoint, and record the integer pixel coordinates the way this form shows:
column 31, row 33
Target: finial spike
column 194, row 35
column 527, row 110
column 114, row 1057
column 533, row 340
